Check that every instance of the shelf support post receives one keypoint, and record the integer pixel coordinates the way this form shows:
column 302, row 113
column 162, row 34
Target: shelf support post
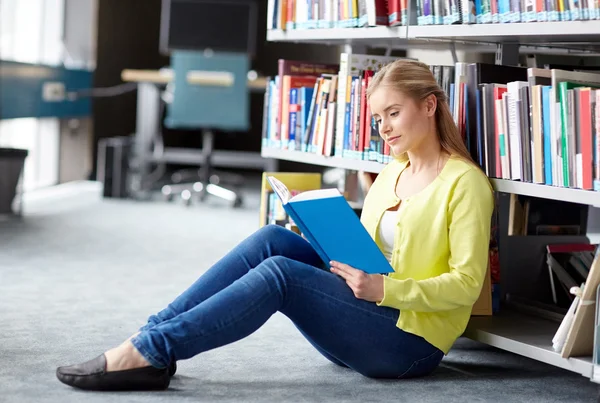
column 353, row 48
column 507, row 54
column 453, row 52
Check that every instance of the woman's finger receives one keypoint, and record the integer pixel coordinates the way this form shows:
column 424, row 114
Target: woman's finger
column 340, row 273
column 344, row 267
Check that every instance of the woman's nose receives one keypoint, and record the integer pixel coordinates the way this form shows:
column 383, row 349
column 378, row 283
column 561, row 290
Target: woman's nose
column 384, row 128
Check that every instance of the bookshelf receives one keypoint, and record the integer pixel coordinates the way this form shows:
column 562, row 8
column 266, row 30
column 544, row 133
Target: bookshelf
column 528, row 334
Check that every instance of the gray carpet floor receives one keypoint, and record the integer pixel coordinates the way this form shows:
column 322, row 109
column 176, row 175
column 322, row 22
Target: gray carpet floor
column 79, row 274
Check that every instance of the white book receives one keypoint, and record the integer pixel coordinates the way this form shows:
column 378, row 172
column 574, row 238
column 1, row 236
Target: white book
column 555, row 146
column 558, row 341
column 514, row 128
column 271, row 14
column 460, row 73
column 505, row 159
column 330, row 129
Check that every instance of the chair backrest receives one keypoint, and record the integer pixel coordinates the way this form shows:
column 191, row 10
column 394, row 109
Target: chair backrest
column 211, row 91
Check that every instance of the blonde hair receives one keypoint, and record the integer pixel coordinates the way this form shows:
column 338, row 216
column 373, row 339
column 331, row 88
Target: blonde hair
column 414, row 79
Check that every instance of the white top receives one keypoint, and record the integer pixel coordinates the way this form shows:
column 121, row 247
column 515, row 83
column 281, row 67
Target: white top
column 387, row 229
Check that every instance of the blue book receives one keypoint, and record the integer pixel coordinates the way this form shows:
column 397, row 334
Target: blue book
column 546, row 105
column 332, row 227
column 479, row 131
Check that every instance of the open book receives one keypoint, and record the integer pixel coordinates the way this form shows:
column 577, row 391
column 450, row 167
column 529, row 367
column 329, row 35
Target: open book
column 332, row 228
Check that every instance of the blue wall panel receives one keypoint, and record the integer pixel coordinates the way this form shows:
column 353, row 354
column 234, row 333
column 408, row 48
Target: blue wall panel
column 21, row 91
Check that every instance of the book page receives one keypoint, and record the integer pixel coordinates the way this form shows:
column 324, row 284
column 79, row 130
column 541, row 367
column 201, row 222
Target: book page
column 280, row 189
column 317, row 194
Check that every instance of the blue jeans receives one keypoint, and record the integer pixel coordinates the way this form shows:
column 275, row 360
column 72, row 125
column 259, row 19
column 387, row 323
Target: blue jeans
column 277, row 270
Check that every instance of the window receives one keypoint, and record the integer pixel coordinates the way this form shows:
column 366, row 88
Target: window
column 31, row 31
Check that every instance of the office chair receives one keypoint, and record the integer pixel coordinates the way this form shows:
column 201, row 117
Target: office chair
column 210, row 93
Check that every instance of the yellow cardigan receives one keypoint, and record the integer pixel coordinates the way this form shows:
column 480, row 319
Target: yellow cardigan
column 440, row 250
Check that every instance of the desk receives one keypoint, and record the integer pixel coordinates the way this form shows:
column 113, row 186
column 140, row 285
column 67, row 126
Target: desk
column 165, row 76
column 148, row 126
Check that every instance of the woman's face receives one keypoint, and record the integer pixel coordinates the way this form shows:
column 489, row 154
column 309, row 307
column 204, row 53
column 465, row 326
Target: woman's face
column 403, row 123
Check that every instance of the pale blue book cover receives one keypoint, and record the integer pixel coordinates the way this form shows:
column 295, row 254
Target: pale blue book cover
column 332, row 227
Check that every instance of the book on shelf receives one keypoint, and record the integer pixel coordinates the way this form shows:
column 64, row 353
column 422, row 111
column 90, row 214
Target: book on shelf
column 356, row 135
column 568, row 266
column 329, row 223
column 292, row 76
column 326, row 114
column 538, row 128
column 579, row 339
column 525, row 124
column 304, row 14
column 312, row 14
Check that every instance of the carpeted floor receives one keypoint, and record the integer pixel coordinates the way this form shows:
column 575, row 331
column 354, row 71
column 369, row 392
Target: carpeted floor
column 79, row 274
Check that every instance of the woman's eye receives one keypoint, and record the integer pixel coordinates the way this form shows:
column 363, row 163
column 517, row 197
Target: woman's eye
column 394, row 114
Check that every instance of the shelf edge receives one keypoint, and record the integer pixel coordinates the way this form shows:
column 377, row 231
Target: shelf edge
column 579, row 196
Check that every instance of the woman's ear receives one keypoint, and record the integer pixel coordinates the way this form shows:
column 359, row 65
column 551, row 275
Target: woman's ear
column 430, row 105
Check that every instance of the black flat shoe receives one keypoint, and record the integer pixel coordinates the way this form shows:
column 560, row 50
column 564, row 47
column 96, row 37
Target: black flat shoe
column 92, row 375
column 172, row 368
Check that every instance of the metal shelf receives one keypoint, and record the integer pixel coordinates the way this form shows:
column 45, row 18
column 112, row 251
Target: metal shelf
column 336, row 34
column 569, row 37
column 314, row 159
column 525, row 335
column 547, row 192
column 526, row 32
column 500, row 185
column 387, row 37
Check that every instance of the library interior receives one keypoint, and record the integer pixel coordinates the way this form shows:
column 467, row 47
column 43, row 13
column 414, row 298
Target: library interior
column 157, row 157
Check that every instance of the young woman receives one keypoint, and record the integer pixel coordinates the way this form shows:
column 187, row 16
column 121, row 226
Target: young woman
column 429, row 211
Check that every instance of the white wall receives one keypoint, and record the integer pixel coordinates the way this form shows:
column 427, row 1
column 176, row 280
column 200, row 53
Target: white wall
column 80, row 33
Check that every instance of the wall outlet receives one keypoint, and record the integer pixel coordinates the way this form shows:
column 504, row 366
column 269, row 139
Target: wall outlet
column 53, row 91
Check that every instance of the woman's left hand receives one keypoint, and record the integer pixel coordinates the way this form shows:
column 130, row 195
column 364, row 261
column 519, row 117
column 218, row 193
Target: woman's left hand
column 364, row 286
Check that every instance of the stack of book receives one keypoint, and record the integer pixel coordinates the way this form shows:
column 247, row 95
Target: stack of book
column 531, row 125
column 308, row 14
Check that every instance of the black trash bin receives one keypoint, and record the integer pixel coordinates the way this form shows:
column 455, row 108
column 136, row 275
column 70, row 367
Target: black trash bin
column 12, row 161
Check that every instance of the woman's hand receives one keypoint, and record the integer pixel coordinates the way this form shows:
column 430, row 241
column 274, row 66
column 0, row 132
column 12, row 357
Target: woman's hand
column 364, row 286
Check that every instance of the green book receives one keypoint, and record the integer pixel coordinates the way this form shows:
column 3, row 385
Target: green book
column 563, row 88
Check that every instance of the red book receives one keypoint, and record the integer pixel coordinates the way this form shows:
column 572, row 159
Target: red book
column 394, row 13
column 498, row 91
column 365, row 122
column 585, row 133
column 363, row 109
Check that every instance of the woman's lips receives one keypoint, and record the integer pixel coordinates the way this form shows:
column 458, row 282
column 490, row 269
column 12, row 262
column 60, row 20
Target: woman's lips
column 393, row 138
